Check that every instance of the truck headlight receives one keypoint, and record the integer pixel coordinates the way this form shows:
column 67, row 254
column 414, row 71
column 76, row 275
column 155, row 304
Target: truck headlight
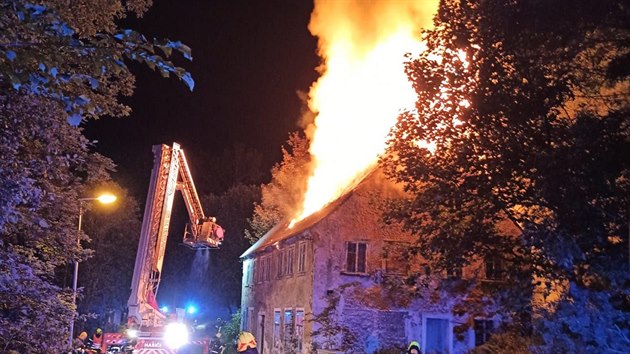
column 175, row 335
column 132, row 333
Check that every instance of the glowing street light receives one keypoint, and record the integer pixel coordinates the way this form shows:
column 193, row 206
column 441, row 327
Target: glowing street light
column 105, row 198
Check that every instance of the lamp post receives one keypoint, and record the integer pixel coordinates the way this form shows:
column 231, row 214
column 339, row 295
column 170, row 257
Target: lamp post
column 105, row 198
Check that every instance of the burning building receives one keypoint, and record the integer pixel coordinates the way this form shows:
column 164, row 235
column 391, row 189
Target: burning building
column 326, row 278
column 338, row 280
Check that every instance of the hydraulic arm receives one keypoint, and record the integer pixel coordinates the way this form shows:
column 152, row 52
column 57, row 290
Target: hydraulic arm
column 170, row 173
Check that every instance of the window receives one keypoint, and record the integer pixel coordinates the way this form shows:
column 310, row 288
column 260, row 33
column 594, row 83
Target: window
column 454, row 272
column 251, row 273
column 288, row 328
column 276, row 328
column 279, row 261
column 245, row 325
column 483, row 331
column 494, row 268
column 248, row 269
column 250, row 321
column 261, row 330
column 268, row 268
column 395, row 260
column 289, row 255
column 356, row 257
column 437, row 337
column 262, row 268
column 256, row 271
column 302, row 257
column 299, row 328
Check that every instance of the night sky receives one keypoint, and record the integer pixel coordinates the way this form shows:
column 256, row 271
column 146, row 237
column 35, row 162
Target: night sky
column 249, row 60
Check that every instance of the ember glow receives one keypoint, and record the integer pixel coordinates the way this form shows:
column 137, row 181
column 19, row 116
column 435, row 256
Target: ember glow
column 362, row 89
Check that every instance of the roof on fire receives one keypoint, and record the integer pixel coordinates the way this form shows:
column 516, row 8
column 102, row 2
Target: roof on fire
column 282, row 232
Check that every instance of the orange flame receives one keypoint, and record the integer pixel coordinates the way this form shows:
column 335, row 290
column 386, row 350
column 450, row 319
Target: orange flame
column 362, row 89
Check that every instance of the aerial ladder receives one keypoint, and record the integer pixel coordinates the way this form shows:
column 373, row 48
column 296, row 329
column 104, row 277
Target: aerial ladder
column 170, row 173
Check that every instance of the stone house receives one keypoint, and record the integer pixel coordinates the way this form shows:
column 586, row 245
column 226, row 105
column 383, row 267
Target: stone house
column 336, row 282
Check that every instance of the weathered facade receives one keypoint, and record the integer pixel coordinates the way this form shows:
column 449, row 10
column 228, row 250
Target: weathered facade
column 335, row 282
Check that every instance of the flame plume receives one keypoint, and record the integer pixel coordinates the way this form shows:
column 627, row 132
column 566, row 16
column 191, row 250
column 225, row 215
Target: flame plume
column 362, row 89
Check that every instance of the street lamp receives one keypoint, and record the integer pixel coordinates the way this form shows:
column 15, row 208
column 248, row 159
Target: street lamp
column 105, row 198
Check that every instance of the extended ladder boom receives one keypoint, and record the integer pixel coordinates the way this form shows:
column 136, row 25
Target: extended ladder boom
column 170, row 172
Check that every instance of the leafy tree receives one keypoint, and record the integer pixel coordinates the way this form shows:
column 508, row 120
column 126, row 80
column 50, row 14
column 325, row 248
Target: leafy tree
column 74, row 52
column 230, row 332
column 236, row 165
column 60, row 62
column 282, row 196
column 45, row 167
column 528, row 114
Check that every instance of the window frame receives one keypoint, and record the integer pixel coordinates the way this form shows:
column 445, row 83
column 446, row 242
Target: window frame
column 357, row 256
column 299, row 328
column 247, row 272
column 250, row 320
column 267, row 269
column 302, row 257
column 287, row 328
column 485, row 331
column 279, row 263
column 497, row 271
column 454, row 273
column 277, row 325
column 289, row 258
column 255, row 264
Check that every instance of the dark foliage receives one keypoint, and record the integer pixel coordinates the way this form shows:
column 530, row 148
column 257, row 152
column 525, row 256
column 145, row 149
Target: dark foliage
column 528, row 111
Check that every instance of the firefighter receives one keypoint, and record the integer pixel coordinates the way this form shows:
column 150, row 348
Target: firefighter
column 246, row 343
column 97, row 338
column 79, row 342
column 413, row 348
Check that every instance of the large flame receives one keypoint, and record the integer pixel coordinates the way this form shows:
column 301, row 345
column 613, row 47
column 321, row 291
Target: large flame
column 362, row 89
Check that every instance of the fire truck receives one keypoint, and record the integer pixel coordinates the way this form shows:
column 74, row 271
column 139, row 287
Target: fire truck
column 149, row 330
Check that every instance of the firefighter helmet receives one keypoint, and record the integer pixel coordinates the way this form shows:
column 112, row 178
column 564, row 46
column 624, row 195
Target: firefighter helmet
column 413, row 345
column 245, row 340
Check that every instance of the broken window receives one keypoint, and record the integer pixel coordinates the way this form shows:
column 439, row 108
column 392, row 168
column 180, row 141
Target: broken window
column 356, row 259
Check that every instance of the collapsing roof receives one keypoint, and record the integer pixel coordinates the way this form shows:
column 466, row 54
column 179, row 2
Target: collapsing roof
column 282, row 231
